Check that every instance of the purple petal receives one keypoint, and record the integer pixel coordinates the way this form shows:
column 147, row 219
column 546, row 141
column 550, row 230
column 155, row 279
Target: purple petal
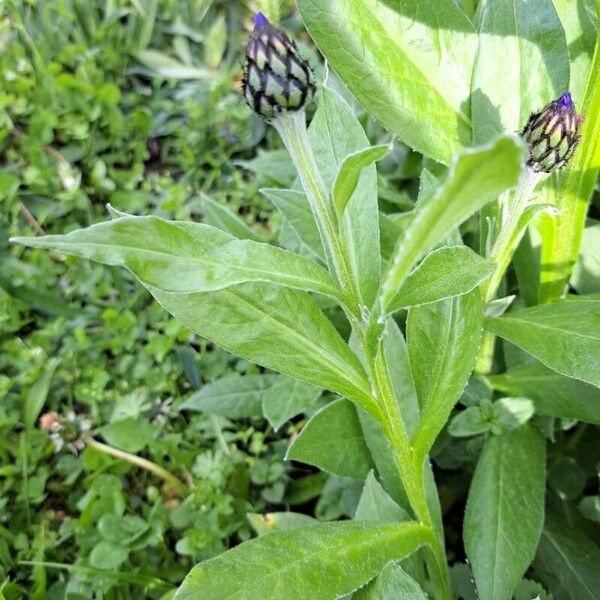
column 565, row 101
column 260, row 20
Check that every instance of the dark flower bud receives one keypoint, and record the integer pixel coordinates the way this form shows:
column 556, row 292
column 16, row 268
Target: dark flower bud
column 552, row 135
column 276, row 77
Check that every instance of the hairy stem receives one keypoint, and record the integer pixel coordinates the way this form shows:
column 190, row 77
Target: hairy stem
column 509, row 236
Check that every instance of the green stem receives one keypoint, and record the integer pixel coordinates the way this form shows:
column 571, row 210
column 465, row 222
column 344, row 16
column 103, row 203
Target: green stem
column 292, row 129
column 509, row 235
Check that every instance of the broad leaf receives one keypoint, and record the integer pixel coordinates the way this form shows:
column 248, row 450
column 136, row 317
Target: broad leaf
column 347, row 177
column 444, row 273
column 294, row 207
column 234, row 397
column 567, row 561
column 276, row 327
column 443, row 340
column 187, row 257
column 586, row 275
column 310, row 562
column 564, row 336
column 476, row 178
column 333, row 441
column 335, row 133
column 529, row 37
column 393, row 583
column 408, row 63
column 553, row 394
column 505, row 511
column 287, row 398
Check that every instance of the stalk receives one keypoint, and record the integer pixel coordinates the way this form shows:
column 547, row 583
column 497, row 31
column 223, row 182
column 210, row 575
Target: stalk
column 292, row 129
column 509, row 236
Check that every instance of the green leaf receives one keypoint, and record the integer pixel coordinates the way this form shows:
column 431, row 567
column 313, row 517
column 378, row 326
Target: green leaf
column 37, row 394
column 564, row 336
column 505, row 511
column 287, row 398
column 477, row 177
column 443, row 341
column 168, row 67
column 408, row 71
column 107, row 556
column 274, row 166
column 278, row 328
column 218, row 215
column 586, row 275
column 131, row 435
column 122, row 529
column 309, row 562
column 233, row 397
column 347, row 177
column 187, row 257
column 334, row 134
column 376, row 505
column 444, row 273
column 529, row 37
column 567, row 561
column 393, row 583
column 293, row 205
column 279, row 521
column 553, row 395
column 333, row 441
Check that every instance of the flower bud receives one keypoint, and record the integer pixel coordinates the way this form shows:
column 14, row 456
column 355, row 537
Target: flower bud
column 552, row 135
column 276, row 77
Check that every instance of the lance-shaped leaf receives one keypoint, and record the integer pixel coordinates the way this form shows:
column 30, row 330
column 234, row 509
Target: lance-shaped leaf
column 309, row 562
column 393, row 583
column 444, row 273
column 477, row 177
column 187, row 257
column 505, row 511
column 564, row 336
column 408, row 63
column 333, row 441
column 278, row 328
column 346, row 179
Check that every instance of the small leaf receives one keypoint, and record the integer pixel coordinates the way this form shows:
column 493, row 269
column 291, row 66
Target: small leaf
column 287, row 398
column 444, row 273
column 505, row 511
column 564, row 336
column 168, row 67
column 37, row 394
column 347, row 177
column 376, row 505
column 393, row 583
column 333, row 441
column 107, row 556
column 218, row 215
column 468, row 422
column 310, row 562
column 279, row 521
column 233, row 397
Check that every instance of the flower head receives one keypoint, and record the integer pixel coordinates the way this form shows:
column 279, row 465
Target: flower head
column 276, row 77
column 552, row 135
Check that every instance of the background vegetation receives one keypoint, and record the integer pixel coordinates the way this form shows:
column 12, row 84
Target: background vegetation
column 130, row 449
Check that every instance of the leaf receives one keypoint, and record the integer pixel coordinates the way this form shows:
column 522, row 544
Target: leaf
column 477, row 177
column 347, row 177
column 393, row 583
column 444, row 273
column 38, row 393
column 529, row 37
column 218, row 215
column 410, row 73
column 122, row 529
column 233, row 397
column 187, row 257
column 334, row 134
column 310, row 562
column 294, row 207
column 553, row 395
column 279, row 521
column 567, row 561
column 278, row 328
column 376, row 505
column 443, row 341
column 333, row 441
column 287, row 398
column 107, row 556
column 564, row 336
column 586, row 275
column 131, row 435
column 273, row 166
column 505, row 511
column 168, row 67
